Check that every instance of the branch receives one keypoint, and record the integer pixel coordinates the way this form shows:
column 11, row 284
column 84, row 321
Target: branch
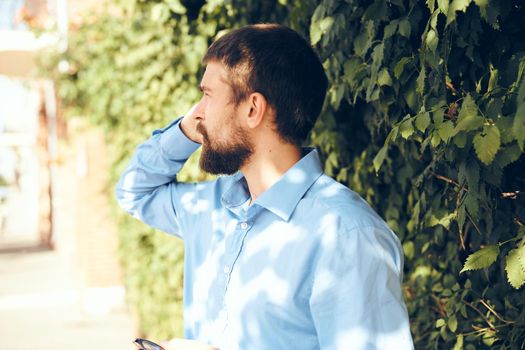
column 441, row 307
column 481, row 314
column 473, row 223
column 512, row 194
column 446, row 179
column 495, row 313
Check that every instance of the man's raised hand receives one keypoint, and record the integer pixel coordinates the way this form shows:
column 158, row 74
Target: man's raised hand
column 191, row 119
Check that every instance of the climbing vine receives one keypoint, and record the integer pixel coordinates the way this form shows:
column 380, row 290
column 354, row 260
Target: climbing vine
column 425, row 118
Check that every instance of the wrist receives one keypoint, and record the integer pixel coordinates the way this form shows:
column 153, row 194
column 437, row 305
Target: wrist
column 183, row 127
column 188, row 128
column 175, row 145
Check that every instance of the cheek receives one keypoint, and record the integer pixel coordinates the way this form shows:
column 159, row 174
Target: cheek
column 214, row 112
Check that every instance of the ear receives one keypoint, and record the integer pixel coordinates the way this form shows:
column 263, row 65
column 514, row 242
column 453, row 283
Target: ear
column 257, row 109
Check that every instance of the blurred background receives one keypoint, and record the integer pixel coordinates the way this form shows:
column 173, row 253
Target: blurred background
column 61, row 284
column 424, row 118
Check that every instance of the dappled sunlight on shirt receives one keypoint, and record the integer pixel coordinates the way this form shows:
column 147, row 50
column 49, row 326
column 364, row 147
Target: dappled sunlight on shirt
column 309, row 265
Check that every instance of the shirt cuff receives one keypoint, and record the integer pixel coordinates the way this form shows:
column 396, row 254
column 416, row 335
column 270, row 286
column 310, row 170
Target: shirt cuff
column 174, row 144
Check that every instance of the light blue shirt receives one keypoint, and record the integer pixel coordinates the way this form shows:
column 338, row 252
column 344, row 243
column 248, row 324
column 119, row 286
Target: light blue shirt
column 309, row 265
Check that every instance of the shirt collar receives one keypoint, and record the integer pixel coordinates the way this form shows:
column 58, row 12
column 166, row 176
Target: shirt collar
column 282, row 197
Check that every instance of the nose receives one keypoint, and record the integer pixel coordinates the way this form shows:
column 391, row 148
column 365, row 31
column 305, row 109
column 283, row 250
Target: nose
column 201, row 107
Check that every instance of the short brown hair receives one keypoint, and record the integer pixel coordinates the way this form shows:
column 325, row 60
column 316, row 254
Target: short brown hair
column 277, row 62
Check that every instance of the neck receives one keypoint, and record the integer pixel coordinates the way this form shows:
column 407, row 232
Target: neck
column 267, row 165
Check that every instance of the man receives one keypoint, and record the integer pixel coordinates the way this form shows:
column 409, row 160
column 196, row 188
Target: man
column 277, row 254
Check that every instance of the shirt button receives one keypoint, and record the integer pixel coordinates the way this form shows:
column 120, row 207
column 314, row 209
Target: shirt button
column 244, row 225
column 226, row 269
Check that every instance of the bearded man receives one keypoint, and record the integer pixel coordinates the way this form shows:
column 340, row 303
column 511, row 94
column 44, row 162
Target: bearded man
column 277, row 254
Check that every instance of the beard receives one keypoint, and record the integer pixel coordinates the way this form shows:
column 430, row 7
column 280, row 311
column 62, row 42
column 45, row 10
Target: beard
column 224, row 159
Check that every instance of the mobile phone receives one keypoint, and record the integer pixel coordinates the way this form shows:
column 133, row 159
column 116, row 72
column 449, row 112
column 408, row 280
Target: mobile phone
column 145, row 344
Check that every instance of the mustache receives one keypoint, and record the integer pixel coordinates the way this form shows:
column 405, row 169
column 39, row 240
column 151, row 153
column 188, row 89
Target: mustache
column 201, row 130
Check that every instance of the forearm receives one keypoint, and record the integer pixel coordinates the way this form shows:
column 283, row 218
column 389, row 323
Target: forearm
column 155, row 163
column 148, row 189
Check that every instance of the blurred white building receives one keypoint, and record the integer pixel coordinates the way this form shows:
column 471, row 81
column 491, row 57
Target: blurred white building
column 25, row 141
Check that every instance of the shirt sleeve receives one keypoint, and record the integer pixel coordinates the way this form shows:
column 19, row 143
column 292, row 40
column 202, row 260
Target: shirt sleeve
column 356, row 300
column 148, row 188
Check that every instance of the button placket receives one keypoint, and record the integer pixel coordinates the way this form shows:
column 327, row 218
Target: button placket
column 235, row 249
column 241, row 229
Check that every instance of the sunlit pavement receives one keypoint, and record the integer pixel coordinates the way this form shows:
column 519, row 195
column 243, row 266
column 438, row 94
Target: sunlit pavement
column 41, row 308
column 47, row 298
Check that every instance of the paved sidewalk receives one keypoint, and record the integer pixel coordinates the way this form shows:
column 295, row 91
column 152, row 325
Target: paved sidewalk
column 41, row 306
column 71, row 297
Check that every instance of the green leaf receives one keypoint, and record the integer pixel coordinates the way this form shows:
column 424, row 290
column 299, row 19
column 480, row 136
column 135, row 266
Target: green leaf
column 460, row 140
column 438, row 116
column 352, row 67
column 421, row 81
column 333, row 160
column 422, row 121
column 446, row 130
column 472, row 205
column 487, row 143
column 515, row 266
column 452, row 323
column 481, row 259
column 489, row 12
column 432, row 40
column 364, row 40
column 444, row 219
column 337, row 95
column 380, row 157
column 440, row 323
column 376, row 11
column 468, row 118
column 408, row 249
column 459, row 342
column 489, row 337
column 176, row 6
column 377, row 59
column 400, row 66
column 456, row 5
column 518, row 127
column 390, row 29
column 326, row 24
column 472, row 175
column 320, row 12
column 317, row 29
column 443, row 6
column 436, row 139
column 508, row 155
column 493, row 78
column 159, row 13
column 504, row 125
column 406, row 129
column 384, row 78
column 404, row 28
column 521, row 90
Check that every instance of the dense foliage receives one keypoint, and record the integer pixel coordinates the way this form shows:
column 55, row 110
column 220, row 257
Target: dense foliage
column 425, row 118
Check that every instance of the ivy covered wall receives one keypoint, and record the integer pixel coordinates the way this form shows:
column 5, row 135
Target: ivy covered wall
column 425, row 118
